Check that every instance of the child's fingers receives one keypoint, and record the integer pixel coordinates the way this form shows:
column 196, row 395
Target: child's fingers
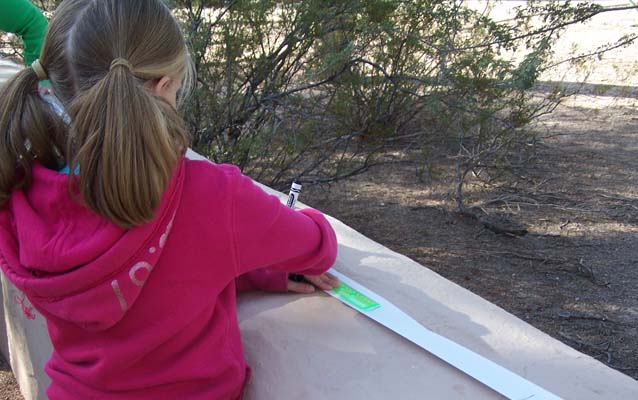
column 300, row 287
column 328, row 282
column 322, row 281
column 44, row 90
column 331, row 279
column 315, row 280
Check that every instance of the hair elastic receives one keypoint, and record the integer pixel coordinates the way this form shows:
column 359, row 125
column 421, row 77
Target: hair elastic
column 121, row 61
column 39, row 70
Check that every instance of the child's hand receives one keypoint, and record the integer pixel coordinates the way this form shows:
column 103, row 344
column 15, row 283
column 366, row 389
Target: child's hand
column 324, row 282
column 44, row 90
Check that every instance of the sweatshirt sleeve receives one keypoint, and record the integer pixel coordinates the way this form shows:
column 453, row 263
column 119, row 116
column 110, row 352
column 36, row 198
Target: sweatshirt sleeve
column 25, row 20
column 267, row 234
column 262, row 279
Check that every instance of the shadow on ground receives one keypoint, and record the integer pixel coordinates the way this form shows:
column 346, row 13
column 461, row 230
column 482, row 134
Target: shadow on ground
column 574, row 275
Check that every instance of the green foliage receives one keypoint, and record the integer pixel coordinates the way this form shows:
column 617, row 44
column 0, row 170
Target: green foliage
column 316, row 89
column 11, row 45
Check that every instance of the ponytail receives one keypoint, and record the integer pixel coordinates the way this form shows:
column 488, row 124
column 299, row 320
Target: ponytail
column 123, row 139
column 29, row 131
column 126, row 142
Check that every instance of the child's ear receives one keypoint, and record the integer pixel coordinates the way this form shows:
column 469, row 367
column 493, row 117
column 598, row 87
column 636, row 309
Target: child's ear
column 159, row 85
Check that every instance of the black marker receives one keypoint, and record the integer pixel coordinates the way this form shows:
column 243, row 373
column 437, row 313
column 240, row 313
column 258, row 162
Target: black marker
column 295, row 189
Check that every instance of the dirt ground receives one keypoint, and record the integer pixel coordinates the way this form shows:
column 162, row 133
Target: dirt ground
column 575, row 275
column 8, row 386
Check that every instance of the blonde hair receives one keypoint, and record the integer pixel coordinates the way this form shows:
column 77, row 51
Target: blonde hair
column 125, row 140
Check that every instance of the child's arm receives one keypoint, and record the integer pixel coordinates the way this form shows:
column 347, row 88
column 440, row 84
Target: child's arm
column 269, row 234
column 325, row 281
column 26, row 20
column 275, row 281
column 262, row 279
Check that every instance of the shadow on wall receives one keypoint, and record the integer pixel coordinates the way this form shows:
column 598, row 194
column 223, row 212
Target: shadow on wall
column 335, row 350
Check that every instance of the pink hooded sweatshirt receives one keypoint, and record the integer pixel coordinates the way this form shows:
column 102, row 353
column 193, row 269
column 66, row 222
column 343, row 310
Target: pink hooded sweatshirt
column 149, row 313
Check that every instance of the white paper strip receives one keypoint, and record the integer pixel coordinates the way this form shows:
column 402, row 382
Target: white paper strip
column 500, row 379
column 489, row 373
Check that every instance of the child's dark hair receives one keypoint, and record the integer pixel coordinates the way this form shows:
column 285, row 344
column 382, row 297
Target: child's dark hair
column 124, row 140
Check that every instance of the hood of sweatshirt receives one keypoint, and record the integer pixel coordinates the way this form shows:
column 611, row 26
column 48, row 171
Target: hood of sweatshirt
column 69, row 261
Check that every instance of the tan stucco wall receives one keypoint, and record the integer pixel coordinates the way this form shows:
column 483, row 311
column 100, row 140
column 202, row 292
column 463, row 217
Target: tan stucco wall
column 313, row 347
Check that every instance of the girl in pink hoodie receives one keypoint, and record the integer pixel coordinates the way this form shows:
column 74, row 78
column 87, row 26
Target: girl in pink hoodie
column 136, row 257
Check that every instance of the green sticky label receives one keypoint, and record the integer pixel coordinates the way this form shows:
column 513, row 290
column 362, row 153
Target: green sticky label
column 355, row 298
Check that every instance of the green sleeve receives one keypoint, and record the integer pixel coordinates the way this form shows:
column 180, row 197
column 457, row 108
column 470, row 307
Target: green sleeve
column 26, row 20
